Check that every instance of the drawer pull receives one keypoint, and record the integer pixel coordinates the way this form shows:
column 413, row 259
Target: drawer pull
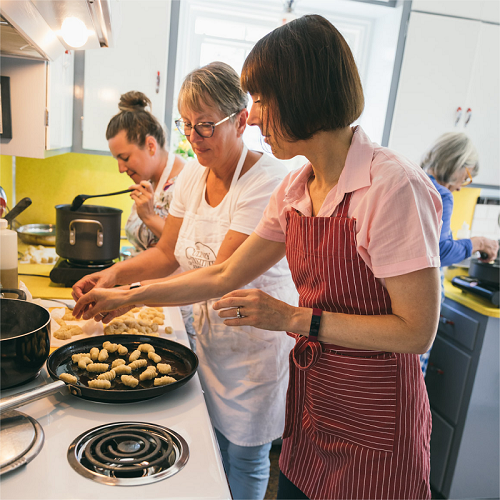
column 445, row 321
column 432, row 367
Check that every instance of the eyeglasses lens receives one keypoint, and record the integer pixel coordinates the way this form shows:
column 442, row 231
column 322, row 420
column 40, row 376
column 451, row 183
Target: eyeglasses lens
column 205, row 130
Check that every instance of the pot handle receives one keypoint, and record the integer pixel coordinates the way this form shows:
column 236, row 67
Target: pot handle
column 21, row 295
column 23, row 398
column 72, row 231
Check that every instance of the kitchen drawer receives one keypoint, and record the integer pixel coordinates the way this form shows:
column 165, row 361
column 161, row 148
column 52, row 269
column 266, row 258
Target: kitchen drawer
column 441, row 437
column 446, row 377
column 459, row 326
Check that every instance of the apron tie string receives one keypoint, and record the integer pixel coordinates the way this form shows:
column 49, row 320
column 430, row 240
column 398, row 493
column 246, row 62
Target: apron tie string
column 299, row 353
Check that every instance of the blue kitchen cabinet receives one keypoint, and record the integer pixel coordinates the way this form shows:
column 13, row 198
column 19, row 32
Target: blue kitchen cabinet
column 463, row 385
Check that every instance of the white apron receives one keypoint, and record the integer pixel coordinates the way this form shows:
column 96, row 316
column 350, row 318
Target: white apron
column 137, row 232
column 243, row 370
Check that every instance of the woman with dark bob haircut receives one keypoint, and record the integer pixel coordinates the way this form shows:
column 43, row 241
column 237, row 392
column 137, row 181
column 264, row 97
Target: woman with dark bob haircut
column 359, row 225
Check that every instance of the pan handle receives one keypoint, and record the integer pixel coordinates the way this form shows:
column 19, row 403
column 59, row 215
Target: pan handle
column 23, row 398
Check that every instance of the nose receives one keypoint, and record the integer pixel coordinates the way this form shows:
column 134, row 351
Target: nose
column 194, row 136
column 254, row 117
column 121, row 167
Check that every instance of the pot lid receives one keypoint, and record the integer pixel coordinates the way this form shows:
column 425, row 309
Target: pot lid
column 21, row 439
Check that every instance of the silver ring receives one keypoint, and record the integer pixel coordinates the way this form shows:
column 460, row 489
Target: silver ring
column 139, row 194
column 101, row 315
column 238, row 314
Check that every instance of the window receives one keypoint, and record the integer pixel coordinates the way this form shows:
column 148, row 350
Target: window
column 226, row 30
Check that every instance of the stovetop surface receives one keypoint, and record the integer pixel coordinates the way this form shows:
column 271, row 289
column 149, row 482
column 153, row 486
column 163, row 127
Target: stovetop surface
column 64, row 418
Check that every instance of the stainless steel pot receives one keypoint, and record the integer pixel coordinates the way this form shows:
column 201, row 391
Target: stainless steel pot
column 89, row 235
column 24, row 339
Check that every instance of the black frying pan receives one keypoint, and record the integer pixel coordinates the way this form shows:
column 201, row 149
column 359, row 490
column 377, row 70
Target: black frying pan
column 183, row 360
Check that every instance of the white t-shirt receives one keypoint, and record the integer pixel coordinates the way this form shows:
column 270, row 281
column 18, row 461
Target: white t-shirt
column 252, row 192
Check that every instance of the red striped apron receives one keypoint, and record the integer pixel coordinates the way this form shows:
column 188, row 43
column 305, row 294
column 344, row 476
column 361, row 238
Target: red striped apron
column 358, row 422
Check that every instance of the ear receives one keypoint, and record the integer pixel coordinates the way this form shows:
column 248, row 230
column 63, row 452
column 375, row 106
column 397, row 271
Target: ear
column 151, row 145
column 241, row 121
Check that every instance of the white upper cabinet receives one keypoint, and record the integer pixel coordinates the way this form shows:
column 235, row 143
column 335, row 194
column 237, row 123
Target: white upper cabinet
column 491, row 11
column 60, row 78
column 483, row 103
column 434, row 81
column 449, row 82
column 138, row 61
column 41, row 106
column 483, row 10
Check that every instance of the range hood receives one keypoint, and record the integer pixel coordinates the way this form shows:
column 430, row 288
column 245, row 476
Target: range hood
column 32, row 28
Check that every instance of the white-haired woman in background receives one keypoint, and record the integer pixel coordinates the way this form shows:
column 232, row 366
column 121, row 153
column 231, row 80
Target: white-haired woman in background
column 451, row 163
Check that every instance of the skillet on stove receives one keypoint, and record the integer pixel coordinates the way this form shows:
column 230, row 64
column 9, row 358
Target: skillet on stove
column 183, row 360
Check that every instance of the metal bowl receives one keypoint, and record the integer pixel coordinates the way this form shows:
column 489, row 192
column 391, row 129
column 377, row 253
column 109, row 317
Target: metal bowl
column 38, row 234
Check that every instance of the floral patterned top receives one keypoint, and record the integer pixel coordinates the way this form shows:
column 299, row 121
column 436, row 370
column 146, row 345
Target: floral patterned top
column 137, row 232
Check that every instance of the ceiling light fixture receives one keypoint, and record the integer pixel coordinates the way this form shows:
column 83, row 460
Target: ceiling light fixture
column 74, row 32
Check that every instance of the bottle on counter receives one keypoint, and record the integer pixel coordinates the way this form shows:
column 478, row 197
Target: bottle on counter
column 8, row 257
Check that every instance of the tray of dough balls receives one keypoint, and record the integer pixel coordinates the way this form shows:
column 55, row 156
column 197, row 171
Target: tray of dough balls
column 152, row 321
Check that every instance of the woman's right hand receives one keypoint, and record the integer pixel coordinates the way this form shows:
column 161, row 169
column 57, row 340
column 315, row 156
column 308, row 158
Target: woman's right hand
column 485, row 245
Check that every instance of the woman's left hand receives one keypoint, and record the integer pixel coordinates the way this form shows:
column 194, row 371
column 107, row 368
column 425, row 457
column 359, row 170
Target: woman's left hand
column 257, row 308
column 100, row 303
column 143, row 195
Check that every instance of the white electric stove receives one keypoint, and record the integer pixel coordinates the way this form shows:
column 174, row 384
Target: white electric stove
column 176, row 425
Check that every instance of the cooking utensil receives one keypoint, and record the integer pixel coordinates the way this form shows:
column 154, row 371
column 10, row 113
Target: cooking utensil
column 182, row 358
column 80, row 199
column 20, row 207
column 3, row 201
column 486, row 272
column 38, row 234
column 91, row 235
column 24, row 339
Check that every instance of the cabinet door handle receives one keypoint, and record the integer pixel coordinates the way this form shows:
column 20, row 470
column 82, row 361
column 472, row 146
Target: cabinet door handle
column 468, row 116
column 157, row 82
column 458, row 115
column 434, row 368
column 445, row 321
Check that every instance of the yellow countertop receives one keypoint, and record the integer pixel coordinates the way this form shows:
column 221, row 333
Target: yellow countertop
column 36, row 278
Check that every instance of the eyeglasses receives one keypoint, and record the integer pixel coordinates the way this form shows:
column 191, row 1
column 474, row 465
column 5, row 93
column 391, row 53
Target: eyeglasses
column 469, row 178
column 204, row 129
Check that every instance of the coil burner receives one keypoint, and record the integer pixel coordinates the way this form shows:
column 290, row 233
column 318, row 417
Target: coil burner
column 128, row 453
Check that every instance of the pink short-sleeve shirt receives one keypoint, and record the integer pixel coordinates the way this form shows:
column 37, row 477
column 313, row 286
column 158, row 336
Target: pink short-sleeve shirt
column 396, row 207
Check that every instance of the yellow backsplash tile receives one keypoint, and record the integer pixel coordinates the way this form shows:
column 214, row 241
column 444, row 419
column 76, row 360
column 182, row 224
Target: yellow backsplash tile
column 464, row 203
column 58, row 179
column 6, row 177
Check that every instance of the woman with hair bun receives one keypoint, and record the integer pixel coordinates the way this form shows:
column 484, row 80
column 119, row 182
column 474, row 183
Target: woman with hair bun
column 137, row 140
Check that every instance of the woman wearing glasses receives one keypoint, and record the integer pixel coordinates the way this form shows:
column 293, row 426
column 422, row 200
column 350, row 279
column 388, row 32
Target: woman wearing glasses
column 451, row 163
column 359, row 225
column 219, row 199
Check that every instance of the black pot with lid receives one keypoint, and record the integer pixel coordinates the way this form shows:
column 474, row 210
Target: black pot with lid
column 90, row 235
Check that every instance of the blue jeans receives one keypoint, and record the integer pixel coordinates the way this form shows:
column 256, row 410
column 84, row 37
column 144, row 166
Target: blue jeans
column 247, row 468
column 424, row 358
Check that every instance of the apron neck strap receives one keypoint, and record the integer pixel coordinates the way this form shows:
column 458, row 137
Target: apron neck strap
column 195, row 201
column 239, row 166
column 344, row 205
column 166, row 173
